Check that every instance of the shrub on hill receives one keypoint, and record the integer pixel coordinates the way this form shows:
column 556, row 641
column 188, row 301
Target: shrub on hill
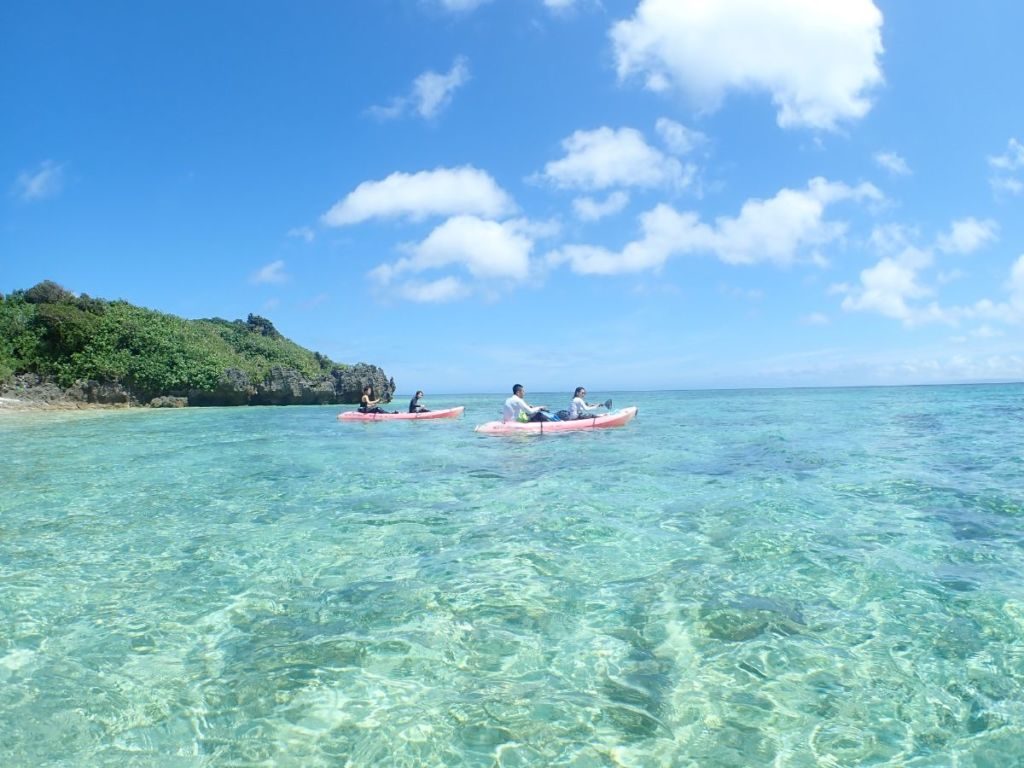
column 47, row 330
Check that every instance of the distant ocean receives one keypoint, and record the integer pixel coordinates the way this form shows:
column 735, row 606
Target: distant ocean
column 805, row 577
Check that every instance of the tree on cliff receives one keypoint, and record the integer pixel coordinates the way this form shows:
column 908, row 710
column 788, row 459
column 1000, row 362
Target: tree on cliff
column 51, row 332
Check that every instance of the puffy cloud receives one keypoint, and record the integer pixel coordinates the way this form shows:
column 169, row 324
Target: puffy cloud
column 485, row 248
column 893, row 163
column 488, row 250
column 605, row 158
column 892, row 286
column 1011, row 160
column 431, row 92
column 441, row 192
column 891, row 238
column 679, row 139
column 967, row 235
column 589, row 209
column 270, row 273
column 818, row 60
column 780, row 230
column 46, row 181
column 665, row 233
column 885, row 288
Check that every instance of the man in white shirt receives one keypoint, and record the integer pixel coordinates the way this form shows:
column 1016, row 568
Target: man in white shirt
column 515, row 406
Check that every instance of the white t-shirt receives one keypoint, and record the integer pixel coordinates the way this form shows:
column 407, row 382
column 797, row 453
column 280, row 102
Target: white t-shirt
column 513, row 407
column 578, row 408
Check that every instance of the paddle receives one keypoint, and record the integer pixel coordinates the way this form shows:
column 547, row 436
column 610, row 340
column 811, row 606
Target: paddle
column 608, row 403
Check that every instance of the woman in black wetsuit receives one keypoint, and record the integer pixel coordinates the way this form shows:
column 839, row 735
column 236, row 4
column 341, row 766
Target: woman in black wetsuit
column 414, row 404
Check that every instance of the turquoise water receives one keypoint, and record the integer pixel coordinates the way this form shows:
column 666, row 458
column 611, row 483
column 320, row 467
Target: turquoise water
column 741, row 578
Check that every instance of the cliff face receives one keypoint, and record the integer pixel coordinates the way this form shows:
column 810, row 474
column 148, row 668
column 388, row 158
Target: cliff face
column 284, row 386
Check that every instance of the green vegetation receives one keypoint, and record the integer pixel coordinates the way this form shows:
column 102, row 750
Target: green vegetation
column 52, row 332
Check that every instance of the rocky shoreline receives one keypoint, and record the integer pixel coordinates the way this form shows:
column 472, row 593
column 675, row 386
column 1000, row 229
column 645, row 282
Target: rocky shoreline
column 282, row 386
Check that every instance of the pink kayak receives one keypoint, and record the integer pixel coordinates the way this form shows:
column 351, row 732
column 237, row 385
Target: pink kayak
column 446, row 413
column 614, row 419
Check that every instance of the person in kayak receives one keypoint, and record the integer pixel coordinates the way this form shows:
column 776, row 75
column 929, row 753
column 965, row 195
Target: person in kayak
column 579, row 408
column 414, row 404
column 367, row 404
column 517, row 409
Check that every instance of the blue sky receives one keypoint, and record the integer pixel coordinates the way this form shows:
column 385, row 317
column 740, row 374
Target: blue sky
column 654, row 194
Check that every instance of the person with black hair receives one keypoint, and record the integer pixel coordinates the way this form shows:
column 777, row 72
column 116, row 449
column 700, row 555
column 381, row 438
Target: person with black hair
column 414, row 404
column 367, row 403
column 580, row 408
column 517, row 409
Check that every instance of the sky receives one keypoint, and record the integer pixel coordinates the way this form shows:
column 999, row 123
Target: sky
column 617, row 194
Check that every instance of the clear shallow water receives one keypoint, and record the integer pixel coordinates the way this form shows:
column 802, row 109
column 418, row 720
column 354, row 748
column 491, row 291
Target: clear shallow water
column 788, row 578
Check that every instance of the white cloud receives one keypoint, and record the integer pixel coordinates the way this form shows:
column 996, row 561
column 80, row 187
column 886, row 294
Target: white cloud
column 46, row 181
column 270, row 273
column 967, row 235
column 605, row 158
column 891, row 238
column 437, row 291
column 665, row 233
column 302, row 233
column 589, row 209
column 488, row 250
column 535, row 230
column 1006, row 166
column 559, row 5
column 679, row 139
column 893, row 163
column 441, row 192
column 390, row 111
column 779, row 228
column 782, row 230
column 892, row 285
column 885, row 288
column 431, row 92
column 1011, row 160
column 818, row 60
